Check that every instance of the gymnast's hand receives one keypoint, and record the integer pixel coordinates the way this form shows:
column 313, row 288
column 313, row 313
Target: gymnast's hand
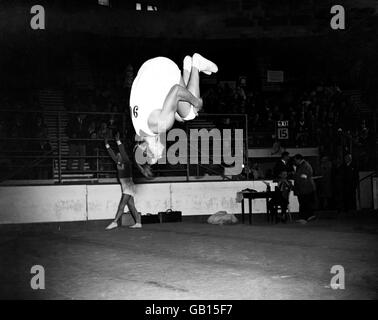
column 117, row 136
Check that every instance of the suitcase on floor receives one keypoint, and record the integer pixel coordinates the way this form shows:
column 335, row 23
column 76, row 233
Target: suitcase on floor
column 150, row 218
column 170, row 216
column 127, row 219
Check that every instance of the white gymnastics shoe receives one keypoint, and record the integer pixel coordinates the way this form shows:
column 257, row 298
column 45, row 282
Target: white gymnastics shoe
column 204, row 65
column 112, row 225
column 188, row 63
column 136, row 226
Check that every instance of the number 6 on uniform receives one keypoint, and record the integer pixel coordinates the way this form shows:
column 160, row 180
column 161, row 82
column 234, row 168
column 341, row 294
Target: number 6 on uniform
column 135, row 111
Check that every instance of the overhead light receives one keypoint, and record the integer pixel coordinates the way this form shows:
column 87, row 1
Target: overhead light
column 138, row 7
column 104, row 3
column 151, row 8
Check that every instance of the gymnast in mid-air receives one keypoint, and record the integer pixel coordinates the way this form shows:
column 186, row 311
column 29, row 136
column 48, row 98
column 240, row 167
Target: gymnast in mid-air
column 160, row 94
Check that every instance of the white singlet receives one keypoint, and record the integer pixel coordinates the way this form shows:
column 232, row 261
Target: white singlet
column 151, row 86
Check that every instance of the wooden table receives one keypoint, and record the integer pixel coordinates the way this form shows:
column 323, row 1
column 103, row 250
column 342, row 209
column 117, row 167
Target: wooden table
column 255, row 195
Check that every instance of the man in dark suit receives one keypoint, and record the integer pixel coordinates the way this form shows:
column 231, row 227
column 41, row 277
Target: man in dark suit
column 304, row 188
column 282, row 165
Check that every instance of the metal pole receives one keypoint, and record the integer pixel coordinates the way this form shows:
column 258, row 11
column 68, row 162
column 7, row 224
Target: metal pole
column 59, row 151
column 246, row 145
column 375, row 143
column 97, row 171
column 187, row 153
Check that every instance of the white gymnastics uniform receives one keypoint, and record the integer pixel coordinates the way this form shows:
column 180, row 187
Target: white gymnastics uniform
column 154, row 80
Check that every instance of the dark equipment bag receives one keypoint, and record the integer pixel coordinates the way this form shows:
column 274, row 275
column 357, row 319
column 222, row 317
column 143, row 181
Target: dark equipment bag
column 170, row 216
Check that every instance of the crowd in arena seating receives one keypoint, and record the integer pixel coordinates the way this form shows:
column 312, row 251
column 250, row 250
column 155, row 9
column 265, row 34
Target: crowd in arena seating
column 23, row 136
column 96, row 115
column 321, row 117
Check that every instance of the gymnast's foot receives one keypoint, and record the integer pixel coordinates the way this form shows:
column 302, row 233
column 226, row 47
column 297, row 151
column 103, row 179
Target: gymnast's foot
column 204, row 65
column 188, row 63
column 112, row 225
column 136, row 226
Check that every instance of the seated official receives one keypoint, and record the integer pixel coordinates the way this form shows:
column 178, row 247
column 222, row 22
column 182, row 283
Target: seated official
column 281, row 198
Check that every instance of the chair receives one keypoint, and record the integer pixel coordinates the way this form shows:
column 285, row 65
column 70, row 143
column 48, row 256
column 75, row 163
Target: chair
column 273, row 209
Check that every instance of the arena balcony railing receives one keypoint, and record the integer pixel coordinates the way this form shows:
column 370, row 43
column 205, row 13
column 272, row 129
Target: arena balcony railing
column 22, row 164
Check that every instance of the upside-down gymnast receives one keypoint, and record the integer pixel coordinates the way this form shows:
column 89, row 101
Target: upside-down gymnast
column 160, row 94
column 124, row 171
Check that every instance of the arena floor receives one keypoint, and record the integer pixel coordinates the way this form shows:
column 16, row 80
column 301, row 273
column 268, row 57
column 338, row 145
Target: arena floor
column 191, row 260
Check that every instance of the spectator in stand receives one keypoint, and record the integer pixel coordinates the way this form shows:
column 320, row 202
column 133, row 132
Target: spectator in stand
column 16, row 130
column 337, row 185
column 105, row 134
column 113, row 124
column 302, row 132
column 342, row 143
column 276, row 148
column 311, row 120
column 92, row 146
column 256, row 121
column 270, row 124
column 256, row 171
column 45, row 166
column 76, row 130
column 276, row 113
column 17, row 127
column 39, row 129
column 282, row 165
column 349, row 183
column 363, row 145
column 281, row 116
column 92, row 117
column 292, row 127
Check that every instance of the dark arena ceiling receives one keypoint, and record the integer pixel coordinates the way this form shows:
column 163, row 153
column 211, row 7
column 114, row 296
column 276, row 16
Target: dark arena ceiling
column 282, row 33
column 191, row 19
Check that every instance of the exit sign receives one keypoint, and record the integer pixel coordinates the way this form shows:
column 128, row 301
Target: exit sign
column 282, row 124
column 283, row 130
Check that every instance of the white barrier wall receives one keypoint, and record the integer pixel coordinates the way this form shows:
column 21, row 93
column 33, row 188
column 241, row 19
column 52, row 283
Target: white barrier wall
column 150, row 198
column 93, row 202
column 267, row 152
column 209, row 197
column 42, row 204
